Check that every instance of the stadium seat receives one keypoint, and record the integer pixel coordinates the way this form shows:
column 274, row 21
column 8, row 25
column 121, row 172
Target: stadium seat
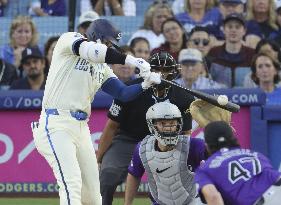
column 240, row 74
column 53, row 26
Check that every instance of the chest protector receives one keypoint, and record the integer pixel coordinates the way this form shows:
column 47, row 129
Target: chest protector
column 170, row 181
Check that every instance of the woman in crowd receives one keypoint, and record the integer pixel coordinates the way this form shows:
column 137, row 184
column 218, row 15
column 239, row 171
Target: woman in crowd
column 175, row 38
column 22, row 34
column 140, row 48
column 198, row 13
column 261, row 13
column 154, row 17
column 266, row 46
column 265, row 70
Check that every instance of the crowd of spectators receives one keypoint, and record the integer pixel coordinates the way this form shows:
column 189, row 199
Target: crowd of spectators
column 217, row 43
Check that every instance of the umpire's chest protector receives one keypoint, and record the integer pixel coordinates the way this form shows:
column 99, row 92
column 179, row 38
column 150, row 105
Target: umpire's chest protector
column 170, row 180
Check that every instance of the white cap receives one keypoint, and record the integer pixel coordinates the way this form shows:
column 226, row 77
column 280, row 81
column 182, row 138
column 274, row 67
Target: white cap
column 88, row 16
column 278, row 4
column 190, row 54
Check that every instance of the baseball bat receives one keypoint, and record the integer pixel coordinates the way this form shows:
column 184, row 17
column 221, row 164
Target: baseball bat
column 71, row 15
column 232, row 107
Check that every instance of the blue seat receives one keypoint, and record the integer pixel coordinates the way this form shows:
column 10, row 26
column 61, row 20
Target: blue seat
column 54, row 26
column 240, row 74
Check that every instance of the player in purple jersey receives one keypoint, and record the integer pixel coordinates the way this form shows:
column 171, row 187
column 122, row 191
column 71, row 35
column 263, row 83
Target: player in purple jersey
column 235, row 176
column 168, row 158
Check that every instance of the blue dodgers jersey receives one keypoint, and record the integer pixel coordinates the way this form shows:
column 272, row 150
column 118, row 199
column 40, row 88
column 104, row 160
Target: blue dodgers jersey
column 240, row 175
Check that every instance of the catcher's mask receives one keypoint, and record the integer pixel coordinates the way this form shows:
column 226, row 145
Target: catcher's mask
column 101, row 30
column 168, row 117
column 164, row 63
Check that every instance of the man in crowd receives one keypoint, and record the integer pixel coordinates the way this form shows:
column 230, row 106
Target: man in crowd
column 192, row 69
column 225, row 59
column 33, row 66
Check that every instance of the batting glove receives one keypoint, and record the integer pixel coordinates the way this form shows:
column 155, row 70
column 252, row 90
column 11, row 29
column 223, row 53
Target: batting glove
column 140, row 63
column 151, row 79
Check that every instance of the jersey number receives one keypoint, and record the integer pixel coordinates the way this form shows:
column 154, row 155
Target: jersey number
column 236, row 171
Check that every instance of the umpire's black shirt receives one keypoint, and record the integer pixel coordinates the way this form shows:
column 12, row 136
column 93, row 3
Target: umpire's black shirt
column 131, row 115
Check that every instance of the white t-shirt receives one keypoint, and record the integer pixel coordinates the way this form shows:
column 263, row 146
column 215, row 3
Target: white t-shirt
column 154, row 40
column 72, row 81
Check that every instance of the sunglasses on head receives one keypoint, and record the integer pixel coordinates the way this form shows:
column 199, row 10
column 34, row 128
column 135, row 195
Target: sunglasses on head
column 203, row 42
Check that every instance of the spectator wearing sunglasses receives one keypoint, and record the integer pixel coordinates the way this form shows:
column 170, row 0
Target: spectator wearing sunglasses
column 154, row 17
column 198, row 13
column 199, row 38
column 191, row 66
column 175, row 38
column 232, row 54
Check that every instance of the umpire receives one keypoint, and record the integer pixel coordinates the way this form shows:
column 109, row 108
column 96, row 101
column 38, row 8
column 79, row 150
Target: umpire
column 127, row 125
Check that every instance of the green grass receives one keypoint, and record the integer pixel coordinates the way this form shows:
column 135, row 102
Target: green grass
column 55, row 201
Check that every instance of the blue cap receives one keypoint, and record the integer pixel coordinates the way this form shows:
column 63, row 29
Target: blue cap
column 31, row 52
column 233, row 1
column 235, row 16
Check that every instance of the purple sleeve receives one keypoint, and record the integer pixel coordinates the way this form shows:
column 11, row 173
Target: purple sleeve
column 202, row 178
column 136, row 167
column 197, row 152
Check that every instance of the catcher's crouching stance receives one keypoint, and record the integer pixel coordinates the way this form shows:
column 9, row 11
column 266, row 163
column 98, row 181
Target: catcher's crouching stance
column 204, row 113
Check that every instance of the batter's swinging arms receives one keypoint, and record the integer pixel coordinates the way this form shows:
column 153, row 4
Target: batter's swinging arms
column 77, row 71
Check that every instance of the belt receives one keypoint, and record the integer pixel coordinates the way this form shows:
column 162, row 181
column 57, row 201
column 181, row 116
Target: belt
column 261, row 200
column 78, row 115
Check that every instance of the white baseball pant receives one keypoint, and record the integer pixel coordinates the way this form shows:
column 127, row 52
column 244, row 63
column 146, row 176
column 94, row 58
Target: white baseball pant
column 66, row 144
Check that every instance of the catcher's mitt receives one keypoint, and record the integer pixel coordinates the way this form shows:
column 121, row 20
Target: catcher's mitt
column 203, row 113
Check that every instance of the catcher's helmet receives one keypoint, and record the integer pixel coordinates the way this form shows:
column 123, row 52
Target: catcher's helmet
column 169, row 133
column 165, row 63
column 103, row 30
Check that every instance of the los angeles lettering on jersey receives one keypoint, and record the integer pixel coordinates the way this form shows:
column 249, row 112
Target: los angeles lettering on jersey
column 85, row 65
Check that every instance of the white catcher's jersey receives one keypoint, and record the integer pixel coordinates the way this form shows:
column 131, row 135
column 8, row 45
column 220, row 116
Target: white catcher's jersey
column 72, row 81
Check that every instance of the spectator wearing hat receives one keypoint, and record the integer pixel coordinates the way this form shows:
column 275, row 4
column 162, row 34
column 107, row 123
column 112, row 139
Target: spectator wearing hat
column 192, row 65
column 33, row 64
column 85, row 20
column 232, row 54
column 226, row 7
